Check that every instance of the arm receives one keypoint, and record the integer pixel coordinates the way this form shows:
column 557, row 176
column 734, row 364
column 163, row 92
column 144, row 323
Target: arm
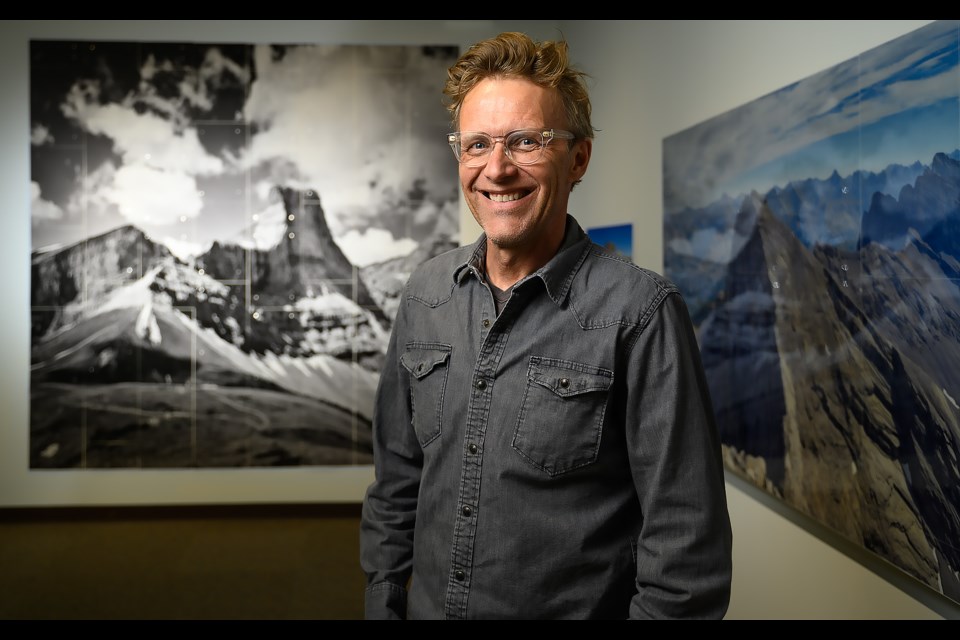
column 684, row 547
column 389, row 507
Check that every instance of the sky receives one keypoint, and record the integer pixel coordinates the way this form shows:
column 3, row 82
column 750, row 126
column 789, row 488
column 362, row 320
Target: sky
column 188, row 140
column 896, row 103
column 619, row 237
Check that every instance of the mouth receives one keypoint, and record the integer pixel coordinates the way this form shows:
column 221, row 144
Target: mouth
column 505, row 197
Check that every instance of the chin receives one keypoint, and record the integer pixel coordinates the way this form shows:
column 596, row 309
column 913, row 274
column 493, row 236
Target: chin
column 507, row 240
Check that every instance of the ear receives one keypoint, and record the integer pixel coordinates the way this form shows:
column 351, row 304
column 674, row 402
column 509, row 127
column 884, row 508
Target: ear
column 581, row 158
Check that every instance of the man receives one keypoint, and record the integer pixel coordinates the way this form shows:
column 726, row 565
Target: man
column 544, row 445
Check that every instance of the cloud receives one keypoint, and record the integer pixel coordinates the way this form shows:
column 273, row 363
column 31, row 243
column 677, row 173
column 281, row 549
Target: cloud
column 269, row 225
column 40, row 135
column 707, row 244
column 41, row 209
column 146, row 195
column 362, row 125
column 148, row 139
column 356, row 122
column 913, row 71
column 141, row 136
column 373, row 245
column 90, row 197
column 184, row 249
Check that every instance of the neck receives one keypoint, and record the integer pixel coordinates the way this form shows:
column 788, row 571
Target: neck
column 505, row 270
column 506, row 265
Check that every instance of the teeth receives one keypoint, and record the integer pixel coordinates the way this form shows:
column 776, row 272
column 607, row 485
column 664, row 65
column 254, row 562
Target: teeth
column 506, row 197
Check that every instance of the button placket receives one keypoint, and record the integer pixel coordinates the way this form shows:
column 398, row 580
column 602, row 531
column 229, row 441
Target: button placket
column 492, row 341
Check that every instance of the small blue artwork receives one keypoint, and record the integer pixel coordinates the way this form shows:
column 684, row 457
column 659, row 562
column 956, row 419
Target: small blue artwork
column 617, row 238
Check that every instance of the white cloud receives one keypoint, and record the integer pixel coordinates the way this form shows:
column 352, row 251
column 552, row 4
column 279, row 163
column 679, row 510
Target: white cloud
column 360, row 124
column 91, row 197
column 141, row 137
column 146, row 195
column 269, row 225
column 352, row 130
column 707, row 244
column 184, row 249
column 373, row 245
column 40, row 135
column 41, row 209
column 887, row 80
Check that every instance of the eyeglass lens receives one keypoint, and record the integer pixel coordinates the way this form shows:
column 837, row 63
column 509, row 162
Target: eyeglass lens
column 522, row 147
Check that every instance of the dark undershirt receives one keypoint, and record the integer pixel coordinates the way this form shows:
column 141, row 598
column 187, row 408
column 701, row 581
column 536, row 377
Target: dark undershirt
column 500, row 296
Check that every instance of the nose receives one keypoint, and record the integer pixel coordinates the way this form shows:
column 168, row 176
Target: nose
column 498, row 162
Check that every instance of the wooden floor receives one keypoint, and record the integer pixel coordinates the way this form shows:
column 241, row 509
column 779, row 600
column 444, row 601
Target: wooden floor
column 183, row 564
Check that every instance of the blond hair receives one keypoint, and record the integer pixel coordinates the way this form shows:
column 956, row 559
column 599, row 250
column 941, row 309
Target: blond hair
column 516, row 55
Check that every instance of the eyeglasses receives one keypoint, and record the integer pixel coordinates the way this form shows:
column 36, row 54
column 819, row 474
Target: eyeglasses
column 523, row 146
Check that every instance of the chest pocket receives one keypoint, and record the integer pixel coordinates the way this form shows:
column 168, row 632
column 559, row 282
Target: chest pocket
column 561, row 415
column 427, row 364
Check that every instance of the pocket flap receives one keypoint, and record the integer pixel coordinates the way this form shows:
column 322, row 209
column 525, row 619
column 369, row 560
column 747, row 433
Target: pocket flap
column 420, row 361
column 568, row 379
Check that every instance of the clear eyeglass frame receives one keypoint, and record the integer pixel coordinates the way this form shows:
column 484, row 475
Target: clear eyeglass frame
column 522, row 146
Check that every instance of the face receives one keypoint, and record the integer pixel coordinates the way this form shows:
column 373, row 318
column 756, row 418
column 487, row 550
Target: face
column 520, row 208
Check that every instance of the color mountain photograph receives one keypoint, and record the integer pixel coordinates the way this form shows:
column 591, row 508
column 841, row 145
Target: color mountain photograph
column 815, row 233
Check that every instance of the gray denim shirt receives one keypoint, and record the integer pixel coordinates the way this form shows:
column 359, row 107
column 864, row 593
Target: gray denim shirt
column 558, row 461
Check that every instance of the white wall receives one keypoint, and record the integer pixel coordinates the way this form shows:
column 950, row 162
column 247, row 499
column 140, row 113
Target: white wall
column 650, row 79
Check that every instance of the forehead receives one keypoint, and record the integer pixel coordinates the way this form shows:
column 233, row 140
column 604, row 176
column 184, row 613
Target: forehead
column 498, row 105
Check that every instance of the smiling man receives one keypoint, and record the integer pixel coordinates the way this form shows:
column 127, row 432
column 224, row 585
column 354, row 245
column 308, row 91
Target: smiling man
column 522, row 208
column 544, row 443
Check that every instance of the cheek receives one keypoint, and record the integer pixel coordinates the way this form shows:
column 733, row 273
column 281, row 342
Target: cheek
column 467, row 177
column 569, row 166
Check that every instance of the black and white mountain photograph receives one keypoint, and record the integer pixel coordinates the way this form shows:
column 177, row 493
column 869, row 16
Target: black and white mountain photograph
column 815, row 234
column 219, row 235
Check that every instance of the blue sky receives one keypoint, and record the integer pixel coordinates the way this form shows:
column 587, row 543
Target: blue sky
column 897, row 103
column 620, row 236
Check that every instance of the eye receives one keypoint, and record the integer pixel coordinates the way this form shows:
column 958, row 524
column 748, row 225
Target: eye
column 523, row 141
column 474, row 144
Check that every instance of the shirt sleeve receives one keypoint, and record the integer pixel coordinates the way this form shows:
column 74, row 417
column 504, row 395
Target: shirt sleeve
column 684, row 547
column 389, row 507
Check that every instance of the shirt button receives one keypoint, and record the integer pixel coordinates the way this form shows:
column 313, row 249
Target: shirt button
column 459, row 575
column 564, row 382
column 467, row 511
column 486, row 323
column 481, row 384
column 473, row 448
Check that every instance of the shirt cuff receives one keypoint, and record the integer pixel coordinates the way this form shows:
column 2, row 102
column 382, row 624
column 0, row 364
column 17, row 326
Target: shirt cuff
column 385, row 601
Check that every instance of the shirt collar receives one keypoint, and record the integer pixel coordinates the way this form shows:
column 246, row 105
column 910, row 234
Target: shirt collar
column 556, row 275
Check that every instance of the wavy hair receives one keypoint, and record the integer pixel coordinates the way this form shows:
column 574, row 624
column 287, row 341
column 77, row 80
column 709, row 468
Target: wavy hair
column 516, row 55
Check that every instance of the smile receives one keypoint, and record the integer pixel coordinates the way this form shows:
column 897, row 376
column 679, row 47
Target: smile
column 504, row 197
